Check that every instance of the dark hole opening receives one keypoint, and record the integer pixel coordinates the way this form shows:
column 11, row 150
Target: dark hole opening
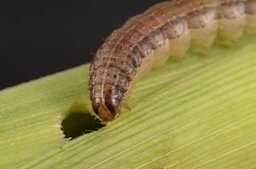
column 78, row 124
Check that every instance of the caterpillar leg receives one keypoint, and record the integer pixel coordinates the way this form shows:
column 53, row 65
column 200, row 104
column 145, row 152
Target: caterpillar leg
column 203, row 27
column 250, row 27
column 178, row 35
column 232, row 21
column 161, row 47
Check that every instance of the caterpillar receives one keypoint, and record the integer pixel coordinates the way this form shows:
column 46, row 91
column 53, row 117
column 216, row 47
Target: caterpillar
column 166, row 30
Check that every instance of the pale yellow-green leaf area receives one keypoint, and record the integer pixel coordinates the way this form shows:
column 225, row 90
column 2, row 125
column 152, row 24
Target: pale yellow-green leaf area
column 198, row 113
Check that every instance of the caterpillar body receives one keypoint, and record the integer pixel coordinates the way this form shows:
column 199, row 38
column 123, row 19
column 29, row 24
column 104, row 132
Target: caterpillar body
column 165, row 30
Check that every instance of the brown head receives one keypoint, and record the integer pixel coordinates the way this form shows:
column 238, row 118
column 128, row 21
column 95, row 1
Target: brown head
column 108, row 107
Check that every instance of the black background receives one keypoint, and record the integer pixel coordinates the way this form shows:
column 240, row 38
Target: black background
column 38, row 38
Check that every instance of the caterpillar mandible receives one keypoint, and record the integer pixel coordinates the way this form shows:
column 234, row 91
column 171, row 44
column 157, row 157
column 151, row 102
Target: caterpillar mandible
column 165, row 30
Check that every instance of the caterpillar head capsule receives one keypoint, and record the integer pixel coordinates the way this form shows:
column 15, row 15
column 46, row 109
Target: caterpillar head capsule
column 108, row 107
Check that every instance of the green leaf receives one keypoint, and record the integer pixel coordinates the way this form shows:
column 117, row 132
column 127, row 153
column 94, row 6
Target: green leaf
column 199, row 113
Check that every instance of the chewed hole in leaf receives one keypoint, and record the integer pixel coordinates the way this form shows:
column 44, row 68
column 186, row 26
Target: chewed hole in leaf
column 79, row 122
